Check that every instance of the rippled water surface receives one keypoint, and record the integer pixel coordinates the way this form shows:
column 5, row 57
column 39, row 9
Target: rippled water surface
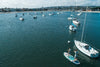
column 41, row 42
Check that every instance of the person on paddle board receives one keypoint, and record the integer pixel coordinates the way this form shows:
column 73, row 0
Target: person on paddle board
column 69, row 50
column 75, row 53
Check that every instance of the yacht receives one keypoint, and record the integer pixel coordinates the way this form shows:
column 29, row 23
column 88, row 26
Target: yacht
column 86, row 49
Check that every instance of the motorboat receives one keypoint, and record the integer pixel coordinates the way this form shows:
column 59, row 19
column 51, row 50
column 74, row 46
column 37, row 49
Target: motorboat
column 50, row 14
column 72, row 28
column 76, row 22
column 79, row 14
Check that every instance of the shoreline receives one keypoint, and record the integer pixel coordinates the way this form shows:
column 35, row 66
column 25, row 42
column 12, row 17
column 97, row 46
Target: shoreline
column 50, row 11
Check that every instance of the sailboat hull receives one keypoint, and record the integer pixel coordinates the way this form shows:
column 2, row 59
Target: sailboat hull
column 91, row 52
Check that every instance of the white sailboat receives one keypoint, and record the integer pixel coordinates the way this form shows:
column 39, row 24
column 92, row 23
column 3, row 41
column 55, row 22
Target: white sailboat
column 85, row 48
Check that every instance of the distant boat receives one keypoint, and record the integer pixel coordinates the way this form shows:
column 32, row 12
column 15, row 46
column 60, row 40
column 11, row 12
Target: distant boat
column 71, row 58
column 43, row 15
column 70, row 18
column 35, row 17
column 50, row 14
column 21, row 18
column 58, row 13
column 72, row 28
column 79, row 14
column 76, row 22
column 71, row 15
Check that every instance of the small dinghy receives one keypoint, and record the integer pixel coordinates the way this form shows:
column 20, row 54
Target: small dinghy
column 71, row 58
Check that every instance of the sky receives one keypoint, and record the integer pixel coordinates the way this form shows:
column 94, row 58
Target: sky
column 46, row 3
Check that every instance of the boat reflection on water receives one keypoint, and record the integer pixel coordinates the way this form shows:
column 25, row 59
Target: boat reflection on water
column 70, row 32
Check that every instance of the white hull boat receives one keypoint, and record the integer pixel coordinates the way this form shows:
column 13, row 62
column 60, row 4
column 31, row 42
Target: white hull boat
column 71, row 58
column 79, row 14
column 72, row 28
column 50, row 14
column 43, row 15
column 70, row 18
column 76, row 22
column 86, row 49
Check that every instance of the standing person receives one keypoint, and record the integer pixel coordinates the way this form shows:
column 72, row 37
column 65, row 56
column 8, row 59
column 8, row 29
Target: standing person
column 75, row 54
column 69, row 50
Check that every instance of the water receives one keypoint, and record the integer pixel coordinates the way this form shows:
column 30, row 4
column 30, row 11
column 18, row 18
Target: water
column 41, row 42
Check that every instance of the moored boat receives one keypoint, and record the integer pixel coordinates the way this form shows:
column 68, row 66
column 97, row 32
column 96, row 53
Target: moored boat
column 76, row 22
column 21, row 18
column 86, row 49
column 72, row 28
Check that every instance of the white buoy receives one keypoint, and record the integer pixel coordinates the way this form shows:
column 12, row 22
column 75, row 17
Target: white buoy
column 68, row 42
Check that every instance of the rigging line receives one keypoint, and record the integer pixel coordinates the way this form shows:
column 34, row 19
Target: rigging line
column 76, row 8
column 83, row 26
column 76, row 3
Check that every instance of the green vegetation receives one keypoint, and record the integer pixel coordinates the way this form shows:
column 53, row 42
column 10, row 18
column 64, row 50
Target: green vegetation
column 60, row 8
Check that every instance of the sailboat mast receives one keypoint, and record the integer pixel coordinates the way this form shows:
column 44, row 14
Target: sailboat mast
column 76, row 4
column 84, row 26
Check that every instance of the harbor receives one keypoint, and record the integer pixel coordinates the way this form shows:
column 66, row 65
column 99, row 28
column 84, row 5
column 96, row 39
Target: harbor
column 55, row 33
column 42, row 41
